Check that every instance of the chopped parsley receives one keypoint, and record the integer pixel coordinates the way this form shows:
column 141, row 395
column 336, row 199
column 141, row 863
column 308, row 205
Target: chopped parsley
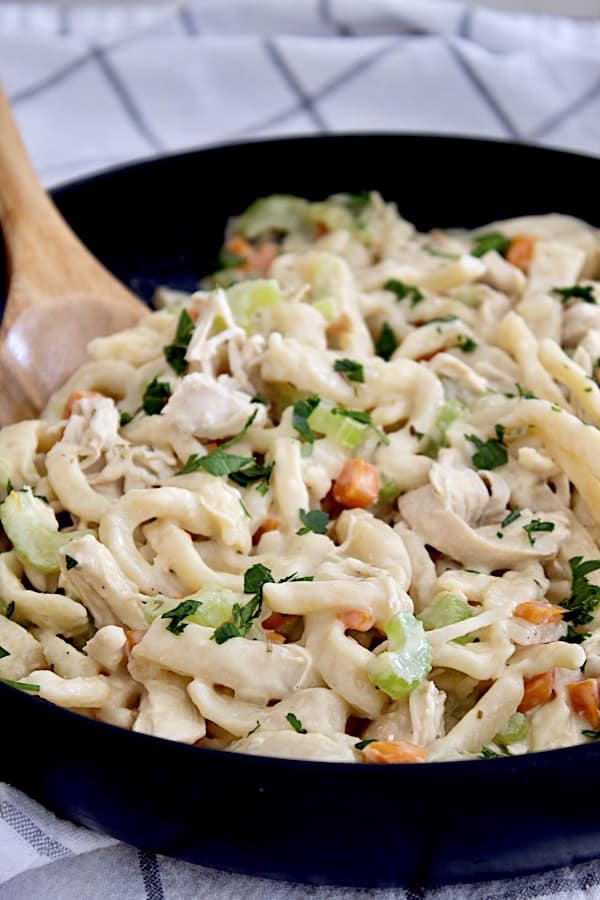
column 523, row 394
column 9, row 487
column 555, row 408
column 155, row 397
column 386, row 343
column 22, row 686
column 245, row 509
column 3, row 653
column 217, row 462
column 125, row 418
column 494, row 240
column 300, row 414
column 442, row 319
column 357, row 201
column 466, row 344
column 592, row 735
column 402, row 290
column 491, row 453
column 365, row 743
column 584, row 598
column 175, row 352
column 537, row 525
column 428, row 248
column 258, row 399
column 10, row 609
column 238, row 437
column 488, row 753
column 70, row 561
column 576, row 292
column 242, row 617
column 179, row 613
column 253, row 473
column 229, row 260
column 295, row 723
column 352, row 370
column 314, row 520
column 512, row 516
column 256, row 727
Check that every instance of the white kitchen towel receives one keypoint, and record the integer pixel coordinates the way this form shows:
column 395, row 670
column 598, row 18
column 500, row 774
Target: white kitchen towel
column 93, row 86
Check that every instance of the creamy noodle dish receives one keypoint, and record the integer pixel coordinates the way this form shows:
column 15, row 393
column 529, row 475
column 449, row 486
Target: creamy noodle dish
column 342, row 503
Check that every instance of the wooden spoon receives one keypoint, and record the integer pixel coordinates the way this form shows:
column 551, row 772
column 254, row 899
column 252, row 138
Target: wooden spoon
column 59, row 296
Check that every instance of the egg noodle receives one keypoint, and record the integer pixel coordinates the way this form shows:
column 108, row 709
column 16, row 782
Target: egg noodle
column 341, row 504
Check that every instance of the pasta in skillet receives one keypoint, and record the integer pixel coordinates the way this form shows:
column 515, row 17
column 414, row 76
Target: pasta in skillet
column 342, row 503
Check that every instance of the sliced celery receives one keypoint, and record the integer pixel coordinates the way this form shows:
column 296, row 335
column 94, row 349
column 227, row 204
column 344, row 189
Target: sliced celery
column 327, row 308
column 216, row 605
column 278, row 212
column 398, row 671
column 344, row 431
column 389, row 490
column 246, row 298
column 448, row 414
column 516, row 729
column 446, row 609
column 25, row 520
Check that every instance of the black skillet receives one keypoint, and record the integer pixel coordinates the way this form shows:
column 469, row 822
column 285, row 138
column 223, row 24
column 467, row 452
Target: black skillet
column 161, row 222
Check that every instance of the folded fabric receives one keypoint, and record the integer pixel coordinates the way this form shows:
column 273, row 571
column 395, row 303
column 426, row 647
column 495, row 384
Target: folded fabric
column 94, row 86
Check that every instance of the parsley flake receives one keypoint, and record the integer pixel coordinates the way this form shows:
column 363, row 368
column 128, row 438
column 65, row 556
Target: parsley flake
column 256, row 727
column 217, row 463
column 295, row 723
column 125, row 418
column 584, row 598
column 466, row 344
column 10, row 609
column 3, row 653
column 179, row 613
column 352, row 370
column 365, row 743
column 314, row 520
column 175, row 352
column 488, row 753
column 442, row 319
column 70, row 561
column 155, row 397
column 301, row 411
column 491, row 453
column 576, row 292
column 537, row 525
column 512, row 516
column 494, row 240
column 402, row 290
column 592, row 735
column 386, row 343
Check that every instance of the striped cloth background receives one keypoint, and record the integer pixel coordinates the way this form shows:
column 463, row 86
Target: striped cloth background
column 93, row 86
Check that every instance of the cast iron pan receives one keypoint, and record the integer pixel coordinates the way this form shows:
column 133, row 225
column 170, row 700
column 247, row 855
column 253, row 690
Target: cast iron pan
column 162, row 222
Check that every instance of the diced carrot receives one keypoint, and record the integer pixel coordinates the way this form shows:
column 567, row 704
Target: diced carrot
column 538, row 612
column 357, row 619
column 357, row 484
column 240, row 247
column 538, row 690
column 520, row 251
column 321, row 229
column 584, row 700
column 267, row 525
column 72, row 399
column 256, row 259
column 275, row 621
column 394, row 752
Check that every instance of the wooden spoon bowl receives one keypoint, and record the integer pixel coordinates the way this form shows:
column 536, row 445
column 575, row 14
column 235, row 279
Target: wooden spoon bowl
column 59, row 296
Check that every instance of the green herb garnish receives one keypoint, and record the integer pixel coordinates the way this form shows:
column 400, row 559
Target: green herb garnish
column 492, row 241
column 576, row 292
column 300, row 415
column 466, row 344
column 491, row 453
column 442, row 319
column 21, row 686
column 365, row 743
column 592, row 735
column 70, row 561
column 523, row 394
column 3, row 653
column 584, row 598
column 386, row 343
column 402, row 290
column 352, row 370
column 155, row 397
column 537, row 525
column 512, row 516
column 175, row 352
column 295, row 723
column 314, row 520
column 179, row 613
column 488, row 753
column 363, row 417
